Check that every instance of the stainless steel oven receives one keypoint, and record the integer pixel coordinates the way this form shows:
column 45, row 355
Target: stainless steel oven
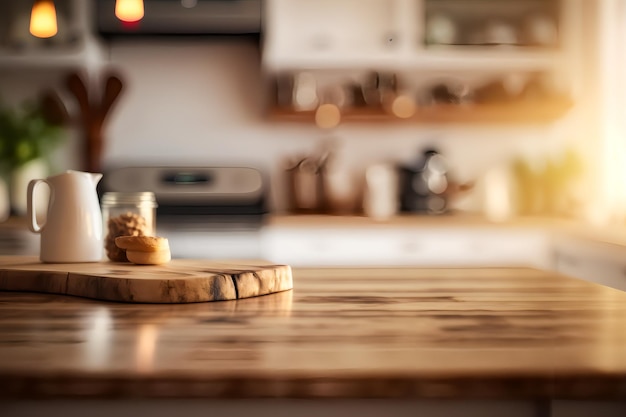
column 205, row 212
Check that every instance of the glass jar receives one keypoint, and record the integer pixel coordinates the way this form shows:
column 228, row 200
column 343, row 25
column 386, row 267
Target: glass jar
column 127, row 214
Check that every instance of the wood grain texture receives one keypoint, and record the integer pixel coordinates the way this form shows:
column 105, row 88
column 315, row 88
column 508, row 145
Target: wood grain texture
column 341, row 333
column 180, row 281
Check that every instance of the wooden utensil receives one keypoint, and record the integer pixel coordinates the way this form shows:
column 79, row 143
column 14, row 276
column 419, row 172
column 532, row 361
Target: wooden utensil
column 77, row 87
column 180, row 281
column 112, row 88
column 53, row 109
column 93, row 115
column 91, row 141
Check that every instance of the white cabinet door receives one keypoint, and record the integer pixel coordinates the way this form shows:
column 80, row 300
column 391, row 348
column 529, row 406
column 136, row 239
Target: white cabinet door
column 472, row 247
column 428, row 247
column 198, row 243
column 318, row 33
column 597, row 262
column 328, row 246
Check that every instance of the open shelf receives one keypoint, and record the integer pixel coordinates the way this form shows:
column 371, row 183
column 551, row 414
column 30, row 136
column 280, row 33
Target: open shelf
column 544, row 111
column 522, row 112
column 502, row 58
column 41, row 59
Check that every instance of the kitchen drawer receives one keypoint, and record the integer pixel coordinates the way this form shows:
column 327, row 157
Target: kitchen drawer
column 212, row 244
column 606, row 273
column 328, row 247
column 406, row 247
column 597, row 262
column 475, row 247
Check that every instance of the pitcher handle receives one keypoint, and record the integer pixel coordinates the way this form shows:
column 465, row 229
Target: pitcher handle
column 30, row 207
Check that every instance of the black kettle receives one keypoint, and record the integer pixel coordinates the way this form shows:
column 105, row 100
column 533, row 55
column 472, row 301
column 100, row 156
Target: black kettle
column 423, row 185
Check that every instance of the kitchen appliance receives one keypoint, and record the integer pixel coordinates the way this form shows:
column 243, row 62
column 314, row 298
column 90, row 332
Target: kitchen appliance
column 224, row 192
column 423, row 185
column 206, row 212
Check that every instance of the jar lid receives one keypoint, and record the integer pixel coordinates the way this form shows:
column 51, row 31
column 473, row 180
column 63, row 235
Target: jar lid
column 115, row 198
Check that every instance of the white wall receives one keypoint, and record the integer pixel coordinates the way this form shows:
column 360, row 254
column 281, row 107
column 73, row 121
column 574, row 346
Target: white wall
column 199, row 102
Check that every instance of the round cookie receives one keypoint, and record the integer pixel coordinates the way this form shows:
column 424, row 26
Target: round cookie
column 149, row 258
column 142, row 243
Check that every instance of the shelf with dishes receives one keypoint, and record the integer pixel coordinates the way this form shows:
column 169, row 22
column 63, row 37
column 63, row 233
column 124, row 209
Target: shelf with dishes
column 328, row 101
column 502, row 58
column 544, row 111
column 505, row 61
column 518, row 23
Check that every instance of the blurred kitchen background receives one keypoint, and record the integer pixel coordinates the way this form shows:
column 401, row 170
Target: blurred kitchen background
column 350, row 108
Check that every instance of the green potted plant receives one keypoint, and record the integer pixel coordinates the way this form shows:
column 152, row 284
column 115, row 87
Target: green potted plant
column 26, row 141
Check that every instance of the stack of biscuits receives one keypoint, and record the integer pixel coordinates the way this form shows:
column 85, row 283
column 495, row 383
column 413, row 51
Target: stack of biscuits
column 145, row 250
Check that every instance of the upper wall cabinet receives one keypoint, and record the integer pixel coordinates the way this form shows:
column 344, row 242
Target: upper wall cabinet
column 330, row 33
column 480, row 53
column 73, row 45
column 416, row 34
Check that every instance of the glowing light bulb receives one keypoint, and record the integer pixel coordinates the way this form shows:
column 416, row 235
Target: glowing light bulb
column 129, row 10
column 43, row 19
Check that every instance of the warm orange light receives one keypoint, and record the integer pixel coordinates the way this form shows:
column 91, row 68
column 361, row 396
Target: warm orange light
column 327, row 116
column 43, row 19
column 403, row 107
column 129, row 10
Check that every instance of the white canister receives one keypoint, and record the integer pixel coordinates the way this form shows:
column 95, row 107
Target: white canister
column 380, row 198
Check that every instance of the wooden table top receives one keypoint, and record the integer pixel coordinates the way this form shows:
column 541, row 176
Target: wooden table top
column 340, row 333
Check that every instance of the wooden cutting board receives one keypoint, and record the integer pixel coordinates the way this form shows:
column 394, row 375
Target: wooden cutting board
column 180, row 281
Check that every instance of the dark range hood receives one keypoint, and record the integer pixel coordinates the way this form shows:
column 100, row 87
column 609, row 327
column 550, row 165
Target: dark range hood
column 183, row 17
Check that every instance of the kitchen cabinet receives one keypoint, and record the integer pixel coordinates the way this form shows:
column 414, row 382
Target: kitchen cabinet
column 424, row 247
column 353, row 36
column 199, row 243
column 391, row 34
column 323, row 33
column 599, row 262
column 74, row 46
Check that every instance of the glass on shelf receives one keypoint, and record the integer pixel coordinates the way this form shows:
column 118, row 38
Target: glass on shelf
column 517, row 23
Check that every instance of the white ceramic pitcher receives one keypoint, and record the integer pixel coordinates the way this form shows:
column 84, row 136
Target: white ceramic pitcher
column 72, row 231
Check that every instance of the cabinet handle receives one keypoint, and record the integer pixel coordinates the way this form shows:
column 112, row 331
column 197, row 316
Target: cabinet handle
column 391, row 39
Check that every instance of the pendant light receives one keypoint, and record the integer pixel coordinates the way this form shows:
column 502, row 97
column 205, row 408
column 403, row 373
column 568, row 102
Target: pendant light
column 43, row 19
column 129, row 10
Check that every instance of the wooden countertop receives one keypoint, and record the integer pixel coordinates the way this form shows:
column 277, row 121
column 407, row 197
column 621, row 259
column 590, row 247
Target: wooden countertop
column 341, row 333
